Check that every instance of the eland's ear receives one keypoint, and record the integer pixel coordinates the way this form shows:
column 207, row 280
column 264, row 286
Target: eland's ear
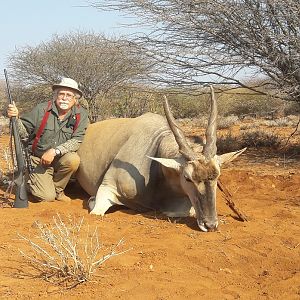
column 172, row 163
column 228, row 157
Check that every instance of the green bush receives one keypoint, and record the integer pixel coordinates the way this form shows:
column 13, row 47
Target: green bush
column 248, row 105
column 184, row 106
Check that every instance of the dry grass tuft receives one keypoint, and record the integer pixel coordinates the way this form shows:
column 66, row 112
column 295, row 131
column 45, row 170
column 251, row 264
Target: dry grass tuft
column 6, row 177
column 4, row 125
column 280, row 122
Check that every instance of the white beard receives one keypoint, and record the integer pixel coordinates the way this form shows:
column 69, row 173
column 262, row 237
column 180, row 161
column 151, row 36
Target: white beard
column 63, row 105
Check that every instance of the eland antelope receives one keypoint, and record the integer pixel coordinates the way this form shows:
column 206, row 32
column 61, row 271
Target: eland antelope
column 146, row 163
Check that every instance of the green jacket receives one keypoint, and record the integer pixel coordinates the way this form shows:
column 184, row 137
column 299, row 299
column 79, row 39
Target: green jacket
column 57, row 134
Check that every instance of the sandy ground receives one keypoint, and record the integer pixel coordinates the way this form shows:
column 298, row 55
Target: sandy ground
column 171, row 258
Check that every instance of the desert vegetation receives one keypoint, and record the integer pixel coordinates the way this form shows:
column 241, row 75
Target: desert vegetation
column 66, row 252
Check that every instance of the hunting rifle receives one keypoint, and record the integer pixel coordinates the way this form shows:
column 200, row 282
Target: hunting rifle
column 21, row 199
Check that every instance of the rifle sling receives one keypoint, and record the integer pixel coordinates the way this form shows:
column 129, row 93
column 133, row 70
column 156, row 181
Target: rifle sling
column 44, row 122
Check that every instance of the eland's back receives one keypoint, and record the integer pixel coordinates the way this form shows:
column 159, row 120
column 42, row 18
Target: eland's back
column 117, row 146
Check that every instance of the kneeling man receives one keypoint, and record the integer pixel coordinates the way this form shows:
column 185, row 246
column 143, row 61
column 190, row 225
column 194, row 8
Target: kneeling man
column 54, row 131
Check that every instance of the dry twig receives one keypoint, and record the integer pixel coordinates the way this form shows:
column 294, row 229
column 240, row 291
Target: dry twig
column 291, row 135
column 230, row 203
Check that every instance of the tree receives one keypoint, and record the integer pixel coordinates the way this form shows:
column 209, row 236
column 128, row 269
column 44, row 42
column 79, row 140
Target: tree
column 98, row 63
column 203, row 41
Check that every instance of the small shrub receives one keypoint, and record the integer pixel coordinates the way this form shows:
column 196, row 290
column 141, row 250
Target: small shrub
column 293, row 119
column 188, row 107
column 280, row 122
column 292, row 108
column 269, row 123
column 260, row 138
column 226, row 122
column 291, row 151
column 228, row 143
column 64, row 255
column 250, row 139
column 241, row 103
column 284, row 122
column 249, row 126
column 201, row 122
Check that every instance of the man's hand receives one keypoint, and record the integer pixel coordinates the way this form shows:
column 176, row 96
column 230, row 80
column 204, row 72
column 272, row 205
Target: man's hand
column 48, row 157
column 12, row 110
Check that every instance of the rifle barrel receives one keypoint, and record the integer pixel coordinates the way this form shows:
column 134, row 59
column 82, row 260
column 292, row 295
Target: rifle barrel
column 21, row 197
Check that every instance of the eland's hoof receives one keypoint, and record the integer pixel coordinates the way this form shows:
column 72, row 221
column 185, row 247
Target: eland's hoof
column 91, row 203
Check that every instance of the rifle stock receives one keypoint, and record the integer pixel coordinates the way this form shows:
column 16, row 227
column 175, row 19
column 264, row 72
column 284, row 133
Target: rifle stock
column 21, row 197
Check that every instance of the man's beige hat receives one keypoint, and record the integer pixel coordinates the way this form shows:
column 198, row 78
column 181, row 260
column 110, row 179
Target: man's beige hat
column 68, row 82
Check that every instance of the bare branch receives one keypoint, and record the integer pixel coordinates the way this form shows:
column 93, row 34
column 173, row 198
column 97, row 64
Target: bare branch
column 200, row 41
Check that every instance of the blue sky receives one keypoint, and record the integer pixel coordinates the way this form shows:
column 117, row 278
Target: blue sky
column 30, row 22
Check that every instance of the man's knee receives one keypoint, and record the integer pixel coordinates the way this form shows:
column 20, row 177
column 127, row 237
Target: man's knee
column 70, row 160
column 42, row 195
column 41, row 187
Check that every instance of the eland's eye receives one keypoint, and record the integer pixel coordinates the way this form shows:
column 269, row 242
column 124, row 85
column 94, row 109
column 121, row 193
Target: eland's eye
column 187, row 178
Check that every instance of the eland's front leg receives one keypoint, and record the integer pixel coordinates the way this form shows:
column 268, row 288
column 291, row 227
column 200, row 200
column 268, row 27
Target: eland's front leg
column 105, row 198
